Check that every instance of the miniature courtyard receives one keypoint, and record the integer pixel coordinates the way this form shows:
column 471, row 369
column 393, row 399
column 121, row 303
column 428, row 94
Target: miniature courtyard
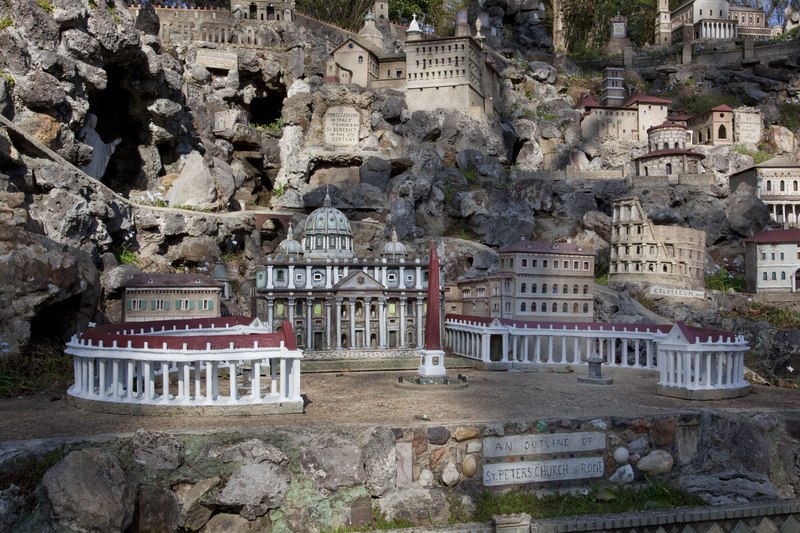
column 370, row 398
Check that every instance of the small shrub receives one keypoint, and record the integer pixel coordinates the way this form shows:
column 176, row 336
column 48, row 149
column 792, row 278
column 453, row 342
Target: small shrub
column 40, row 367
column 46, row 5
column 701, row 103
column 759, row 156
column 276, row 125
column 774, row 316
column 278, row 190
column 5, row 23
column 723, row 280
column 126, row 256
column 379, row 523
column 789, row 116
column 602, row 278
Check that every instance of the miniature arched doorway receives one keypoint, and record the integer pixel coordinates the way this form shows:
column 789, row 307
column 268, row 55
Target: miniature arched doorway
column 669, row 168
column 253, row 11
column 271, row 12
column 722, row 133
column 796, row 284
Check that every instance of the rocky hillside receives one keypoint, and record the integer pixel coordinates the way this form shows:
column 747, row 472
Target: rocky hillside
column 178, row 186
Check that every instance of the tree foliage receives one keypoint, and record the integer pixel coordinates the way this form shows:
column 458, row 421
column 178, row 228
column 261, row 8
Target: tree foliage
column 345, row 13
column 440, row 14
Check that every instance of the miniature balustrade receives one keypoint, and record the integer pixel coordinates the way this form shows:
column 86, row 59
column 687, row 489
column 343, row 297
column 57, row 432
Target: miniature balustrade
column 187, row 366
column 553, row 343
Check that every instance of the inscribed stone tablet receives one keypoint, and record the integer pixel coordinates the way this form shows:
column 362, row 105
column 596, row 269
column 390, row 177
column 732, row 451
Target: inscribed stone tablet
column 618, row 30
column 657, row 290
column 747, row 126
column 342, row 126
column 218, row 59
column 516, row 445
column 541, row 471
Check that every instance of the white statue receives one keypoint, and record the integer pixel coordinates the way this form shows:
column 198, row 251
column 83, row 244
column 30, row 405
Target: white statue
column 101, row 151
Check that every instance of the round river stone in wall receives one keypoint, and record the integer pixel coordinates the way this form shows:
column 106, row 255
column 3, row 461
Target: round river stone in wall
column 656, row 462
column 621, row 455
column 469, row 466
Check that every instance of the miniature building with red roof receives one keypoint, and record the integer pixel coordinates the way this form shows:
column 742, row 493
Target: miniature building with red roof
column 714, row 126
column 776, row 183
column 153, row 296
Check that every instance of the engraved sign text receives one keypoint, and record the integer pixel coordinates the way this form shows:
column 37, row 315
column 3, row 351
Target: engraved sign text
column 541, row 471
column 218, row 59
column 342, row 125
column 541, row 444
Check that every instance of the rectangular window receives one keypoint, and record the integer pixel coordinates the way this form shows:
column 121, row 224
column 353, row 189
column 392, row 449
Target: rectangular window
column 586, row 265
column 524, row 263
column 392, row 309
column 280, row 309
column 555, row 263
column 280, row 275
column 544, row 263
column 575, row 265
column 535, row 263
column 206, row 305
column 763, row 256
column 317, row 309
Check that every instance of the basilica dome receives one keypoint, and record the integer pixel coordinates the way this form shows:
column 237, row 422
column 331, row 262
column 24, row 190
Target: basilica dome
column 290, row 247
column 328, row 233
column 394, row 249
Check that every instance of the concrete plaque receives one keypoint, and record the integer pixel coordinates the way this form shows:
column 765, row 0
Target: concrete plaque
column 342, row 126
column 747, row 126
column 517, row 445
column 542, row 471
column 618, row 30
column 218, row 59
column 677, row 293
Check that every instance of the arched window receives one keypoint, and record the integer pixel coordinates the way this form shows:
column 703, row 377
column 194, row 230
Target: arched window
column 783, row 275
column 555, row 307
column 669, row 168
column 774, row 277
column 565, row 289
column 522, row 288
column 585, row 308
column 544, row 288
column 794, row 186
column 765, row 276
column 769, row 185
column 533, row 288
column 574, row 289
column 360, row 59
column 585, row 289
column 782, row 186
column 574, row 308
column 677, row 146
column 564, row 307
column 522, row 307
column 722, row 133
column 555, row 289
column 544, row 307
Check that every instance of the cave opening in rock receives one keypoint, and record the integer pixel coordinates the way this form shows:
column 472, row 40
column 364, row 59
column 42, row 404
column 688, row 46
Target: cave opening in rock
column 56, row 323
column 117, row 119
column 266, row 108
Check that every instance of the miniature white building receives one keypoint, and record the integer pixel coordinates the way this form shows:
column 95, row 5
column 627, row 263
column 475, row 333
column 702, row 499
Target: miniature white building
column 150, row 297
column 336, row 301
column 709, row 20
column 773, row 261
column 537, row 280
column 616, row 119
column 667, row 154
column 777, row 183
column 216, row 364
column 645, row 253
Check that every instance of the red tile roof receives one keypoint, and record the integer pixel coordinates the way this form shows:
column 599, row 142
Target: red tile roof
column 701, row 335
column 778, row 236
column 723, row 107
column 645, row 99
column 671, row 151
column 665, row 125
column 171, row 280
column 546, row 247
column 588, row 101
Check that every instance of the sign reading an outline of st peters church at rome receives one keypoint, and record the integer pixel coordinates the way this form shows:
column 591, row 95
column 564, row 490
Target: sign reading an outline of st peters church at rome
column 342, row 126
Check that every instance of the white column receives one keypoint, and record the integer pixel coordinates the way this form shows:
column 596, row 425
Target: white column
column 269, row 277
column 352, row 322
column 402, row 277
column 310, row 324
column 403, row 302
column 419, row 322
column 382, row 322
column 270, row 313
column 328, row 324
column 328, row 277
column 291, row 276
column 338, row 323
column 550, row 349
column 165, row 381
column 308, row 277
column 367, row 332
column 418, row 281
column 232, row 372
column 255, row 380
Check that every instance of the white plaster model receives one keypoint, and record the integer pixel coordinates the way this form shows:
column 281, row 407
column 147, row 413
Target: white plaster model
column 187, row 363
column 776, row 183
column 151, row 296
column 773, row 261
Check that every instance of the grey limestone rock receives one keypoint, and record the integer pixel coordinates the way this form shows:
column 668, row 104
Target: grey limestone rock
column 157, row 451
column 88, row 491
column 158, row 510
column 729, row 486
column 542, row 71
column 252, row 451
column 195, row 186
column 450, row 475
column 334, row 462
column 256, row 488
column 420, row 505
column 438, row 435
column 39, row 90
column 194, row 513
column 379, row 457
column 227, row 523
column 656, row 462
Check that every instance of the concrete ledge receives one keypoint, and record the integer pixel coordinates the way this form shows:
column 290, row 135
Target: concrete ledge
column 595, row 381
column 186, row 410
column 702, row 394
column 369, row 365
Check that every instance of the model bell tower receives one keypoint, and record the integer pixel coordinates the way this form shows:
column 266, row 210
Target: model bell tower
column 663, row 33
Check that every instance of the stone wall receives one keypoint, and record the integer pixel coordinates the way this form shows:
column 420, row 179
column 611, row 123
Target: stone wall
column 570, row 174
column 312, row 479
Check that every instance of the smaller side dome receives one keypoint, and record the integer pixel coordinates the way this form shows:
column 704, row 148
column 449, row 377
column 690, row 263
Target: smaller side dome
column 290, row 247
column 394, row 249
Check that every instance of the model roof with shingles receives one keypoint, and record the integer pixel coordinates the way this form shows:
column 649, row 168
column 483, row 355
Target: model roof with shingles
column 777, row 236
column 171, row 281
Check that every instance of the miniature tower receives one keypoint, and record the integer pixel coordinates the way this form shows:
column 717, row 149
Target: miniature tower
column 663, row 32
column 462, row 24
column 381, row 10
column 413, row 33
column 613, row 94
column 432, row 356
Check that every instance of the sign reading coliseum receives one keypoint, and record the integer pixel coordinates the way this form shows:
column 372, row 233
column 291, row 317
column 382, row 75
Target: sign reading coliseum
column 342, row 126
column 657, row 290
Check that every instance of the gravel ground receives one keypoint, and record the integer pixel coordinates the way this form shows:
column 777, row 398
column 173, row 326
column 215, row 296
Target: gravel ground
column 370, row 398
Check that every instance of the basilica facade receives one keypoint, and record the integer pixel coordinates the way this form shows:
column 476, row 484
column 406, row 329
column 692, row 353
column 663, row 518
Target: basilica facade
column 337, row 301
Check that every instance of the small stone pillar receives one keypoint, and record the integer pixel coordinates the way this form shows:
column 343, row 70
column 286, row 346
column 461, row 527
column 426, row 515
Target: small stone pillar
column 512, row 523
column 594, row 374
column 686, row 57
column 627, row 57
